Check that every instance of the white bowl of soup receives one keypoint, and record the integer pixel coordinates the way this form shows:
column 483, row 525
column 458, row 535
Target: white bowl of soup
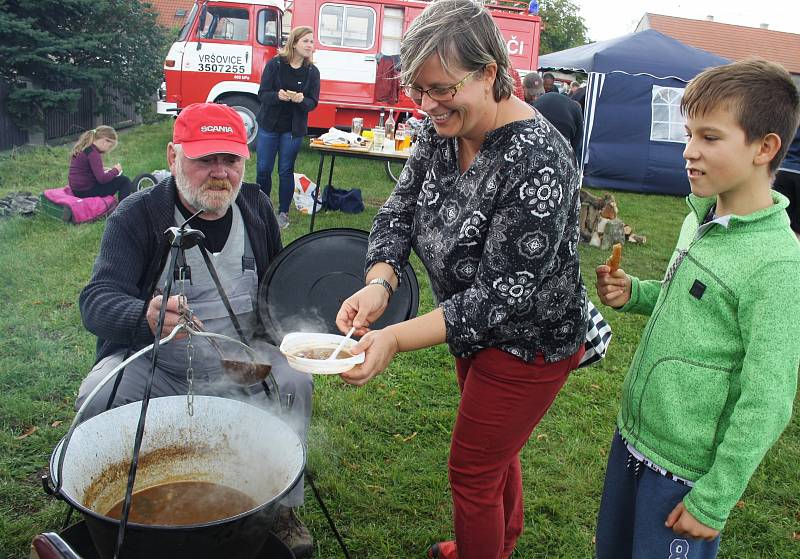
column 310, row 352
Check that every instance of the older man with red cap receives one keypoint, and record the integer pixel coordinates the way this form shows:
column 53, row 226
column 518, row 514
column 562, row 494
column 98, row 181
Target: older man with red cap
column 207, row 160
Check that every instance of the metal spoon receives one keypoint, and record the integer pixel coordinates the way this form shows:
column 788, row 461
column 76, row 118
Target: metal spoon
column 341, row 344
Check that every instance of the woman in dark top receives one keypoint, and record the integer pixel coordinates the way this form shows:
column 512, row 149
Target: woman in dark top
column 87, row 176
column 289, row 91
column 489, row 201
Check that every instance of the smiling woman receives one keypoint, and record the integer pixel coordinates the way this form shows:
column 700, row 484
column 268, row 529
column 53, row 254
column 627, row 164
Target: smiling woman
column 489, row 202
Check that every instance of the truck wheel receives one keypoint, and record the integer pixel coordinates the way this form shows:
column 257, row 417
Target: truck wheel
column 247, row 107
column 145, row 180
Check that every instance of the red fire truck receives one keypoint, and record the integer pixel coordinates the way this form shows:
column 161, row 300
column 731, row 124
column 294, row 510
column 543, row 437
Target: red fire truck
column 222, row 49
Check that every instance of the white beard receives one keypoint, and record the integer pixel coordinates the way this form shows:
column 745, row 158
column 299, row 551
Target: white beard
column 201, row 198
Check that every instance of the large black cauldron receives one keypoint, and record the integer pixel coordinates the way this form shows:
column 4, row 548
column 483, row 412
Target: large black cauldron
column 224, row 441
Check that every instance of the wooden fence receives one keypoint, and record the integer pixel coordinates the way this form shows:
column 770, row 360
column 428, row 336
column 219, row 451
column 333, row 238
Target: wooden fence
column 10, row 134
column 59, row 124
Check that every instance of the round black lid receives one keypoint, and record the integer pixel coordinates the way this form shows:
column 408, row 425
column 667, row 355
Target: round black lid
column 308, row 281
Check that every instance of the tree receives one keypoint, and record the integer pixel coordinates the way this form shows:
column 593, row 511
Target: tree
column 51, row 49
column 562, row 26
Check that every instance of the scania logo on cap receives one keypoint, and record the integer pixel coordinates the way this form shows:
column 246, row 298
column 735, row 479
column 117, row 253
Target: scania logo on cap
column 214, row 128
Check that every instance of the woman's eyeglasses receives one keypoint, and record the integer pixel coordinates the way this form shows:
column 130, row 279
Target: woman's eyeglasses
column 439, row 93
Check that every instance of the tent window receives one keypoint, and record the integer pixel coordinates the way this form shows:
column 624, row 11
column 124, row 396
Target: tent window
column 667, row 124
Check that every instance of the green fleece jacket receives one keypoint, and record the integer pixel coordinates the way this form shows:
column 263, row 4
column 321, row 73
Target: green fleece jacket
column 712, row 383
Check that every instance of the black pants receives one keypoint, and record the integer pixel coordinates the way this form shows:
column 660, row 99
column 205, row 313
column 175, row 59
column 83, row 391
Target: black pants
column 120, row 184
column 788, row 184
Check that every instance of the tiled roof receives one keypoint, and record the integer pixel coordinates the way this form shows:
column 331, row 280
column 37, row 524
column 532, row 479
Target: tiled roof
column 169, row 10
column 734, row 42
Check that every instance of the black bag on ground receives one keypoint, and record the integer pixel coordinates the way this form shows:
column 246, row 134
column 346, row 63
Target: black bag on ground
column 341, row 199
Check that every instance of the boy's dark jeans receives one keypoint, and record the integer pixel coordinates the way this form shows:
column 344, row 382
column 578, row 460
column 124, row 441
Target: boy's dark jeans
column 633, row 510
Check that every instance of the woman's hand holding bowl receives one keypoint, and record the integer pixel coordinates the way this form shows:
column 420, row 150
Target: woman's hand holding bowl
column 379, row 347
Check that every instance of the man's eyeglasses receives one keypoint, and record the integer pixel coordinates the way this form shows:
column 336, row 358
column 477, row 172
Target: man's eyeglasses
column 439, row 93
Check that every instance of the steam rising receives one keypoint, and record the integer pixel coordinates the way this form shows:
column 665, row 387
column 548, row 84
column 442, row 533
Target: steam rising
column 311, row 321
column 288, row 380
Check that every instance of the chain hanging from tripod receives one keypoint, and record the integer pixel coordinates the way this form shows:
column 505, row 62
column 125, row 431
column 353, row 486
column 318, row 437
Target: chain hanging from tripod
column 186, row 316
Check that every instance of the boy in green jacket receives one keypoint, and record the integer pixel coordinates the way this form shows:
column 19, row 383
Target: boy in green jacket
column 712, row 383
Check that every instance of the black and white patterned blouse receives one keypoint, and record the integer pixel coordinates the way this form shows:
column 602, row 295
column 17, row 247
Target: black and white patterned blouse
column 499, row 242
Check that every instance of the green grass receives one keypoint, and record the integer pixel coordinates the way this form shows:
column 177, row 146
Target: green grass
column 379, row 452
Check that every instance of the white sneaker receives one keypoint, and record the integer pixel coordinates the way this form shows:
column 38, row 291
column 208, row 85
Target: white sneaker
column 283, row 220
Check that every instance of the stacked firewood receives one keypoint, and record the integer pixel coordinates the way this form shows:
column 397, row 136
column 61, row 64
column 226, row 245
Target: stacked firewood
column 600, row 223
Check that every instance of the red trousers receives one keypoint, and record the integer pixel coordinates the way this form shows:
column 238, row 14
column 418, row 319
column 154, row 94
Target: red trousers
column 502, row 399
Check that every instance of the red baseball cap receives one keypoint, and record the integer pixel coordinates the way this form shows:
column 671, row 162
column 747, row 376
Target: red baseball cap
column 206, row 128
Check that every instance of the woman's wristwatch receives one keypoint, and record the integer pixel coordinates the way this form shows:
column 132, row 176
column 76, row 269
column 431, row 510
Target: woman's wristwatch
column 384, row 283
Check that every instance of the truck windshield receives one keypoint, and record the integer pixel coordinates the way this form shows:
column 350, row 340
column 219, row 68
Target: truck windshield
column 188, row 25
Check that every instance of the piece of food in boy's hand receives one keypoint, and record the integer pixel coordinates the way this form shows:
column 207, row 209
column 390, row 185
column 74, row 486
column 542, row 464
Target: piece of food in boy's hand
column 615, row 258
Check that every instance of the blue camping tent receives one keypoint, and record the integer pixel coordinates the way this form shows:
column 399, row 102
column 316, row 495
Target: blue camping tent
column 633, row 134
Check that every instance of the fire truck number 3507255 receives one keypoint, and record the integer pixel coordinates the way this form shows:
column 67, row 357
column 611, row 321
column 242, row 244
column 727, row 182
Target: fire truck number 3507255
column 222, row 68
